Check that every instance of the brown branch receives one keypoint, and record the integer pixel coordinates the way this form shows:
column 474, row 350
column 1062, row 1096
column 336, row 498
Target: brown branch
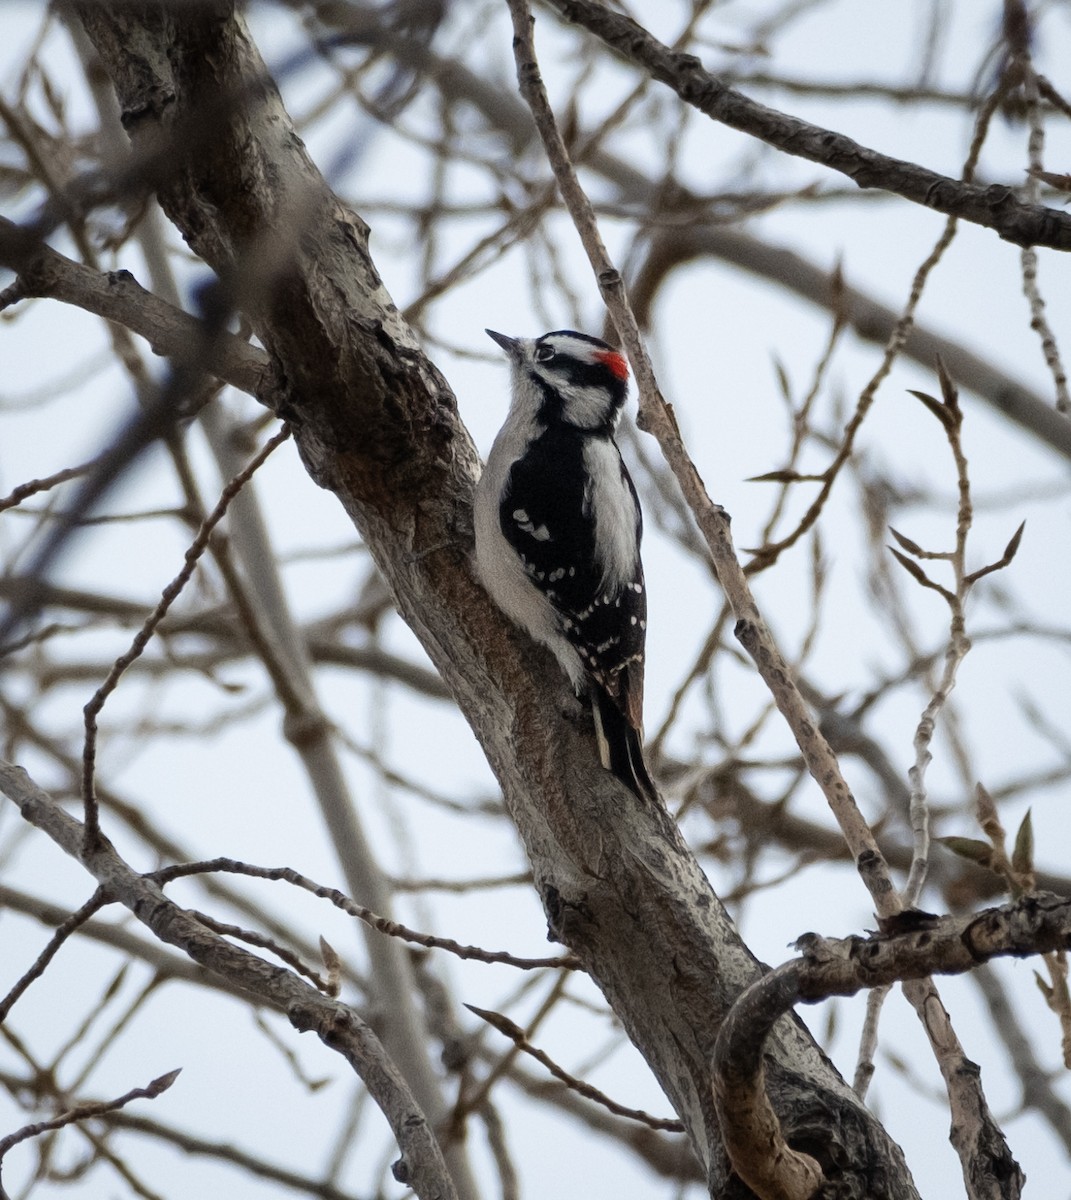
column 328, row 985
column 166, row 849
column 71, row 924
column 337, row 1025
column 144, row 635
column 83, row 1112
column 321, row 638
column 383, row 924
column 753, row 1138
column 768, row 554
column 656, row 417
column 377, row 424
column 994, row 207
column 690, row 232
column 1028, row 255
column 517, row 1035
column 117, row 296
column 978, row 1139
column 1039, row 1086
column 33, row 486
column 37, row 1086
column 164, row 964
column 869, row 320
column 1037, row 924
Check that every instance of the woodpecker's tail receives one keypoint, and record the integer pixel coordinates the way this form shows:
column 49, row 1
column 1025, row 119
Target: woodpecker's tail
column 621, row 745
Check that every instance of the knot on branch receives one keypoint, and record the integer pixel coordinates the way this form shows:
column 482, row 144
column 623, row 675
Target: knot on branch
column 330, row 1023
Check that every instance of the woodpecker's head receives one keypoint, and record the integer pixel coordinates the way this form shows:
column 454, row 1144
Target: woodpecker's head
column 568, row 377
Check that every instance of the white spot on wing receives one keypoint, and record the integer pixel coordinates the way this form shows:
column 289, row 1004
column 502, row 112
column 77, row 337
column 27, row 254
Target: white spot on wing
column 524, row 523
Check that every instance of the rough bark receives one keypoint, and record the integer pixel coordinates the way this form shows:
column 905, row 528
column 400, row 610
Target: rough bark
column 377, row 424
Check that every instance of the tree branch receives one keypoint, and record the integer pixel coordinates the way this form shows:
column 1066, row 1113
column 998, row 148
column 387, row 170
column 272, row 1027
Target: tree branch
column 995, row 207
column 1036, row 924
column 117, row 296
column 337, row 1025
column 689, row 232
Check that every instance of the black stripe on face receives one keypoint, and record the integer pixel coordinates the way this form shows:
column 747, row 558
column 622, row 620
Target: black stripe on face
column 574, row 368
column 584, row 374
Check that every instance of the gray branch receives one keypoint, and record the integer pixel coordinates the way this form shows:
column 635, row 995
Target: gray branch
column 337, row 1025
column 995, row 207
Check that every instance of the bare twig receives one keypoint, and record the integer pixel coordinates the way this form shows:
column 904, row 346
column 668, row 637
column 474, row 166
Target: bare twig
column 337, row 1025
column 768, row 554
column 252, row 938
column 1039, row 1087
column 1033, row 925
column 117, row 296
column 84, row 1111
column 517, row 1035
column 981, row 1144
column 1031, row 191
column 33, row 486
column 144, row 635
column 656, row 416
column 63, row 932
column 343, row 902
column 950, row 415
column 993, row 207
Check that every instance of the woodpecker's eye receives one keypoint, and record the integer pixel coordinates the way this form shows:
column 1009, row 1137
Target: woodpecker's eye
column 544, row 354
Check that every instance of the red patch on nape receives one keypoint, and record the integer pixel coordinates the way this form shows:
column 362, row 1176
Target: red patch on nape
column 617, row 363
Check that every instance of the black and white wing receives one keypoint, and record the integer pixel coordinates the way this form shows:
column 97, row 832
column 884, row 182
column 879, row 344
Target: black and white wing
column 587, row 565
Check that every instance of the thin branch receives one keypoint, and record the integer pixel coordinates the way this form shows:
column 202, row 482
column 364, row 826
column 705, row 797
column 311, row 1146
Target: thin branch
column 255, row 1165
column 84, row 1111
column 1028, row 256
column 994, row 207
column 696, row 233
column 338, row 1026
column 1033, row 925
column 656, row 416
column 517, row 1035
column 144, row 635
column 33, row 486
column 63, row 931
column 117, row 296
column 343, row 902
column 1039, row 1091
column 252, row 938
column 982, row 1147
column 768, row 554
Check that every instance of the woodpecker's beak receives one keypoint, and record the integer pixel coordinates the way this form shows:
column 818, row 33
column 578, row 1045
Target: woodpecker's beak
column 512, row 346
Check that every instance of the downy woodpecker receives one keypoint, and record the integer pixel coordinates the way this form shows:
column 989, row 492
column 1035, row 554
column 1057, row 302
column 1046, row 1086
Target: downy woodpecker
column 558, row 530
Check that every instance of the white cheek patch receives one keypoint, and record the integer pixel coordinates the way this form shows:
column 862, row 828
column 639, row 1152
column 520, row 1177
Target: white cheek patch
column 585, row 407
